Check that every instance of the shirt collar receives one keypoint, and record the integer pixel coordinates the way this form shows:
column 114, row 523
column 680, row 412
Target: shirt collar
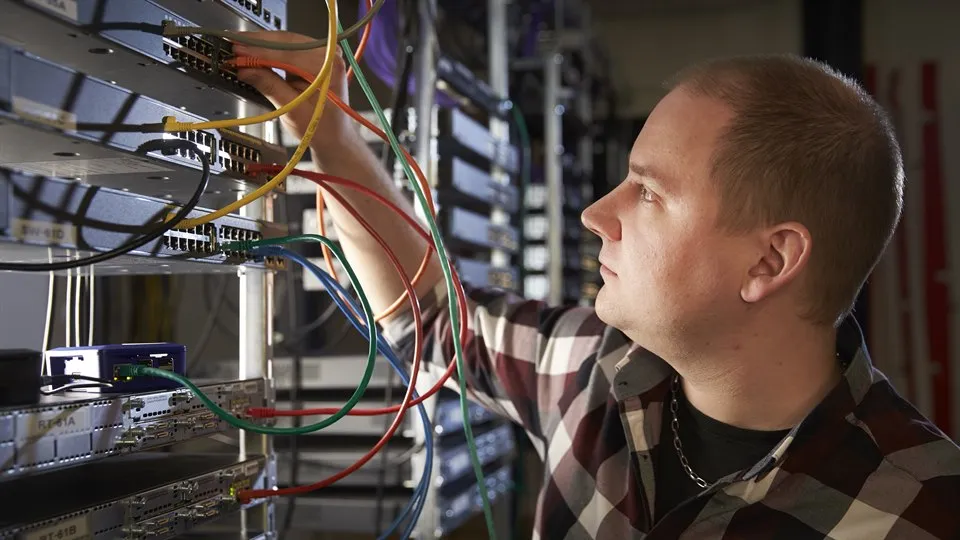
column 640, row 372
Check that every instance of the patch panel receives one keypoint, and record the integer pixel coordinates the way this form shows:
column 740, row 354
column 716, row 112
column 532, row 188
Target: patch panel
column 71, row 428
column 107, row 39
column 156, row 496
column 205, row 55
column 67, row 216
column 205, row 241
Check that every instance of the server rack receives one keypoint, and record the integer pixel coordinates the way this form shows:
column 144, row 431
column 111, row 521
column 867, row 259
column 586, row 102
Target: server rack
column 152, row 464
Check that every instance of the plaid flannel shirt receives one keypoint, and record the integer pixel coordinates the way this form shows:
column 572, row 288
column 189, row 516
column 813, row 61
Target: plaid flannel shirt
column 864, row 464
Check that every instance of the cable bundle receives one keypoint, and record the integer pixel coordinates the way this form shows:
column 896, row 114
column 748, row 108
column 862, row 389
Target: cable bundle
column 319, row 85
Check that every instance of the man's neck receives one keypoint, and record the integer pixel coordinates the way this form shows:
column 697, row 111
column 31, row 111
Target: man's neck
column 767, row 381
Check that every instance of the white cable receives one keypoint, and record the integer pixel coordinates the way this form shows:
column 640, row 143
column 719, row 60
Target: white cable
column 93, row 307
column 77, row 295
column 68, row 297
column 48, row 319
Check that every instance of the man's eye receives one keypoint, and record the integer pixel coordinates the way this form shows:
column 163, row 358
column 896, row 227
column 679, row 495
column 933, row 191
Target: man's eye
column 645, row 194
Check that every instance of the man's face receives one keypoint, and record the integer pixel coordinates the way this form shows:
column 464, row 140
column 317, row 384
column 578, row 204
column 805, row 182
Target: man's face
column 669, row 273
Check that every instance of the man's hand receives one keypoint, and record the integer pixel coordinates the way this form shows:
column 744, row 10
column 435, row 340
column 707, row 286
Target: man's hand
column 335, row 127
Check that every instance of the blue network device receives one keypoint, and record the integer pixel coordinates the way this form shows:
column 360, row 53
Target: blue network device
column 101, row 361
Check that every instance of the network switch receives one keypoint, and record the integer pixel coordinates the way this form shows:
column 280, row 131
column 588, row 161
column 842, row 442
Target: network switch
column 462, row 79
column 155, row 496
column 103, row 362
column 453, row 511
column 448, row 418
column 484, row 274
column 59, row 122
column 71, row 428
column 464, row 183
column 67, row 216
column 454, row 464
column 462, row 135
column 118, row 40
column 265, row 14
column 478, row 230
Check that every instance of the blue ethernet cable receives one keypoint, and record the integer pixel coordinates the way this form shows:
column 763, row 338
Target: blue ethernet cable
column 417, row 502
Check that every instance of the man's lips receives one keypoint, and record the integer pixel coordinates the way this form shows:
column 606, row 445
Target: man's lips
column 605, row 270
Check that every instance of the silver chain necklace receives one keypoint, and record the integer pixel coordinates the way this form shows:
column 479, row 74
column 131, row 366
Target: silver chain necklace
column 675, row 426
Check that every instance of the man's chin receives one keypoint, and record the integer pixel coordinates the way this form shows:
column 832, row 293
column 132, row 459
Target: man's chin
column 605, row 306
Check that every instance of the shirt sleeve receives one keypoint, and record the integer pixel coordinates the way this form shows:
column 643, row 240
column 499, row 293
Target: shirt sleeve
column 520, row 356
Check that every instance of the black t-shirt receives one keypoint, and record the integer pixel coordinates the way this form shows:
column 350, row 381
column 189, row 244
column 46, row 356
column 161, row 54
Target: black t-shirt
column 712, row 448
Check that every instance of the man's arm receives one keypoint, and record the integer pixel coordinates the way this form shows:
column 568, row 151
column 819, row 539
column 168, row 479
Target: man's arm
column 519, row 354
column 339, row 150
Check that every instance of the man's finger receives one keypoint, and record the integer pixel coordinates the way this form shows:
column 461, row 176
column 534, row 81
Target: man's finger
column 310, row 61
column 268, row 83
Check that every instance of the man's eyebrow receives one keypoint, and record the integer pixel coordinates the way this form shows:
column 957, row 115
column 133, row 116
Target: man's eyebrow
column 649, row 173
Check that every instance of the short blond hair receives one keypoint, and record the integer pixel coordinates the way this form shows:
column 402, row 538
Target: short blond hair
column 806, row 144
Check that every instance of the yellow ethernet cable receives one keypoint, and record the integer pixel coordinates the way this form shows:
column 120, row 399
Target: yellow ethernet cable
column 324, row 77
column 171, row 125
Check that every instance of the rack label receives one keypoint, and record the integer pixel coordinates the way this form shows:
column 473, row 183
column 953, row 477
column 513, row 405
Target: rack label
column 44, row 232
column 44, row 114
column 71, row 529
column 50, row 423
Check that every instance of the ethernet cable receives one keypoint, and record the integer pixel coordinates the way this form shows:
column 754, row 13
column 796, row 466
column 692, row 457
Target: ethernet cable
column 448, row 277
column 144, row 371
column 447, row 271
column 249, row 61
column 177, row 220
column 322, row 82
column 173, row 30
column 349, row 308
column 325, row 181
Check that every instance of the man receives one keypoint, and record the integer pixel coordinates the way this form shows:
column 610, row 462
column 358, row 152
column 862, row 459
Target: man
column 720, row 389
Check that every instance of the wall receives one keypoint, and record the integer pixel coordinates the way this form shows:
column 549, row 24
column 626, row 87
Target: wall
column 899, row 36
column 646, row 50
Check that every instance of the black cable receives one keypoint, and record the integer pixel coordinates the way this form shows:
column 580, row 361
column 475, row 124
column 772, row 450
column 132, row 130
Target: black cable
column 72, row 386
column 384, row 457
column 296, row 389
column 50, row 380
column 167, row 147
column 401, row 89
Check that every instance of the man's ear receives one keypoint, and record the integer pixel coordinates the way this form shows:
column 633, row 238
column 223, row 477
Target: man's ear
column 783, row 252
